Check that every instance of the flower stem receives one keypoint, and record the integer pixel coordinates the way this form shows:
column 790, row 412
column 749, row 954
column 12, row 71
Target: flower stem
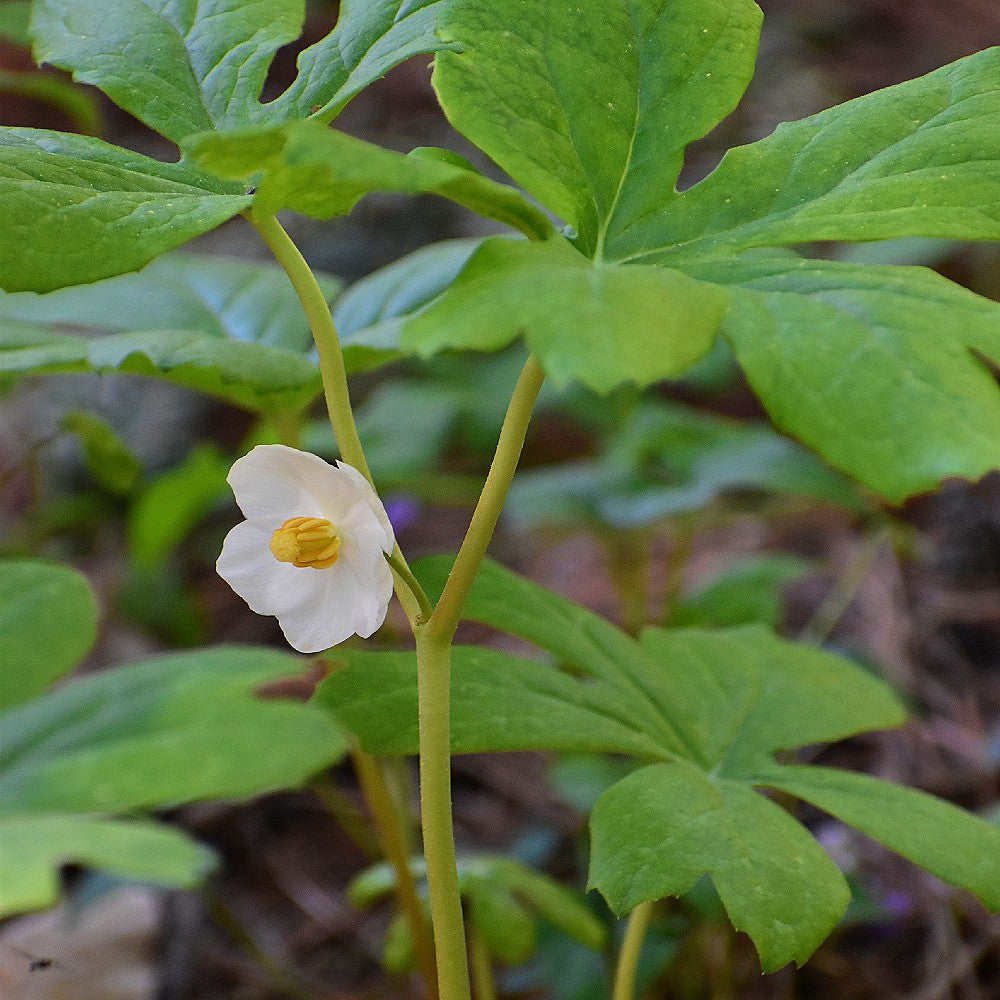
column 434, row 693
column 628, row 957
column 392, row 836
column 446, row 615
column 331, row 366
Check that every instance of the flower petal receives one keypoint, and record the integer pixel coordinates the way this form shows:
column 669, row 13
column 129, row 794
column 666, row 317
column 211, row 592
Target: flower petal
column 273, row 483
column 367, row 493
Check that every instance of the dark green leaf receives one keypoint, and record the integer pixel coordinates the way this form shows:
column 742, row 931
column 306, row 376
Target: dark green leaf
column 36, row 847
column 48, row 621
column 589, row 106
column 918, row 159
column 75, row 209
column 953, row 844
column 14, row 18
column 659, row 830
column 174, row 729
column 599, row 324
column 871, row 366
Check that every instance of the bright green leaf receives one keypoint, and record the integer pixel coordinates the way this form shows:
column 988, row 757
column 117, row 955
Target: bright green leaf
column 371, row 37
column 659, row 830
column 950, row 842
column 36, row 847
column 589, row 106
column 317, row 171
column 48, row 621
column 918, row 159
column 180, row 67
column 110, row 462
column 871, row 366
column 506, row 926
column 174, row 729
column 599, row 324
column 527, row 705
column 74, row 209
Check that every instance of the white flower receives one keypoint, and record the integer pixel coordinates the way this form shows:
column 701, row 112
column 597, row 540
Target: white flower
column 311, row 550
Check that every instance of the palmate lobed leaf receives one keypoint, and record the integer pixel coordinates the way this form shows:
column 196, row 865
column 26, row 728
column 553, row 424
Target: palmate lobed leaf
column 598, row 324
column 716, row 705
column 319, row 172
column 871, row 366
column 841, row 368
column 74, row 209
column 184, row 67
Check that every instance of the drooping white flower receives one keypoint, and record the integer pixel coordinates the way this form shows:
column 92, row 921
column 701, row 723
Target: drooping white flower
column 311, row 550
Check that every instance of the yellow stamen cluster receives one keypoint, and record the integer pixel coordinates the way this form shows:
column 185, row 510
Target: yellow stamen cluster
column 306, row 542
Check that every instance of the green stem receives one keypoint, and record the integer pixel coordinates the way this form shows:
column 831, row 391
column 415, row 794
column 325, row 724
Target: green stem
column 628, row 957
column 446, row 615
column 331, row 364
column 392, row 836
column 434, row 693
column 405, row 574
column 483, row 981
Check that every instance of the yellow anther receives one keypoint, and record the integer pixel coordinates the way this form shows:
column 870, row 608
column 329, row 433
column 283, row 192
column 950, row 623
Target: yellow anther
column 306, row 542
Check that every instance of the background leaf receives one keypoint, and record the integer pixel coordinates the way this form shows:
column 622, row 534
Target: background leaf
column 229, row 328
column 36, row 847
column 110, row 462
column 74, row 209
column 589, row 106
column 34, row 597
column 174, row 729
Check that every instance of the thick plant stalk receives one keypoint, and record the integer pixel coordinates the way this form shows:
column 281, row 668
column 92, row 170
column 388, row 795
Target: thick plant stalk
column 434, row 693
column 628, row 957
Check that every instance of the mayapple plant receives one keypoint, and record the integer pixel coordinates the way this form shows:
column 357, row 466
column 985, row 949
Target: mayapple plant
column 884, row 371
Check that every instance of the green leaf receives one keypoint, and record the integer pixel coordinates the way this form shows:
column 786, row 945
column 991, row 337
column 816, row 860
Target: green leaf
column 589, row 107
column 229, row 328
column 175, row 502
column 950, row 842
column 48, row 621
column 530, row 705
column 36, row 847
column 75, row 209
column 506, row 926
column 599, row 324
column 371, row 37
column 317, row 171
column 110, row 462
column 871, row 366
column 174, row 729
column 716, row 705
column 370, row 314
column 747, row 593
column 179, row 67
column 659, row 830
column 14, row 18
column 918, row 159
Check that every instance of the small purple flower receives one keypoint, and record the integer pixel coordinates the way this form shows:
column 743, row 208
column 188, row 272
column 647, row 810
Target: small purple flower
column 403, row 511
